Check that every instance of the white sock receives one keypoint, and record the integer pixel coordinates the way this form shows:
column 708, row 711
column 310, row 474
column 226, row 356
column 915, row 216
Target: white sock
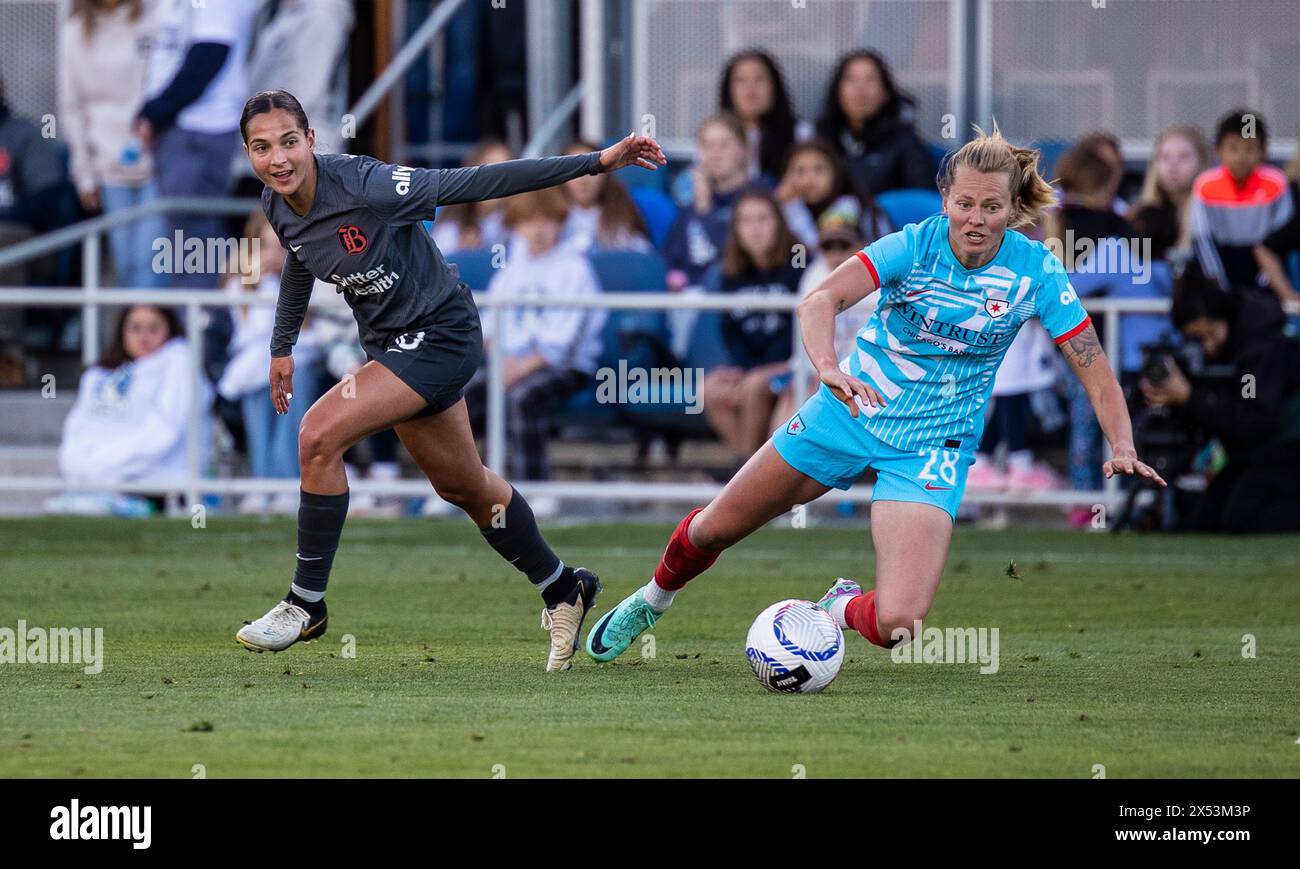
column 838, row 606
column 659, row 599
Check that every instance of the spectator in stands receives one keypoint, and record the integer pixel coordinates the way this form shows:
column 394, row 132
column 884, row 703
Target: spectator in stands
column 195, row 90
column 1259, row 488
column 474, row 225
column 1162, row 211
column 739, row 396
column 1084, row 218
column 549, row 352
column 753, row 90
column 1274, row 254
column 815, row 182
column 130, row 421
column 700, row 229
column 272, row 438
column 839, row 236
column 1239, row 203
column 299, row 50
column 602, row 215
column 32, row 188
column 869, row 120
column 1105, row 146
column 101, row 90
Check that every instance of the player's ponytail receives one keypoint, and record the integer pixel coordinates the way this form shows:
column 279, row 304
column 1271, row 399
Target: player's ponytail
column 990, row 152
column 267, row 101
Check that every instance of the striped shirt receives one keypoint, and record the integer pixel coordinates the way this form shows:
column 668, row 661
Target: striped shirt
column 935, row 341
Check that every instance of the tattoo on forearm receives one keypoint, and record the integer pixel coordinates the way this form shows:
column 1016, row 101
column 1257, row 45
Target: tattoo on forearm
column 1085, row 347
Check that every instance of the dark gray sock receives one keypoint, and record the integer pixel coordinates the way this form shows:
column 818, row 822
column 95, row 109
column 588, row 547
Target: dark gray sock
column 519, row 541
column 320, row 524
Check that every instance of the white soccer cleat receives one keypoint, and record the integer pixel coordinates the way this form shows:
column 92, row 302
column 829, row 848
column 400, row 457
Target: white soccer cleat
column 564, row 621
column 280, row 628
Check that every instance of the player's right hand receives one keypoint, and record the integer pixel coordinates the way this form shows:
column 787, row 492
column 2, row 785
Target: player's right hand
column 281, row 382
column 850, row 390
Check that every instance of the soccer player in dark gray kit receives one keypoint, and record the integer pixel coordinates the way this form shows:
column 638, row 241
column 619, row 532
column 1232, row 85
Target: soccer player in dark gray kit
column 356, row 222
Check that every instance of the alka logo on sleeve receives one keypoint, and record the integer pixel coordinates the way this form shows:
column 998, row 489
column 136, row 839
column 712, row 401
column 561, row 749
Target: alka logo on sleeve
column 402, row 175
column 354, row 241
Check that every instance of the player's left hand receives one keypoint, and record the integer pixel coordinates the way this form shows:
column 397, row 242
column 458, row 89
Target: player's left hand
column 635, row 150
column 1125, row 461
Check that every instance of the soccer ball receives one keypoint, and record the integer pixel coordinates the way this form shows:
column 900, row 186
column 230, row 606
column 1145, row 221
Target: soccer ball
column 795, row 647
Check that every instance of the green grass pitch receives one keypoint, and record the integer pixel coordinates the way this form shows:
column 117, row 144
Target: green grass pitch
column 1121, row 651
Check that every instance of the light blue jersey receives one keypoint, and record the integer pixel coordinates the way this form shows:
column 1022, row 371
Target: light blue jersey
column 940, row 331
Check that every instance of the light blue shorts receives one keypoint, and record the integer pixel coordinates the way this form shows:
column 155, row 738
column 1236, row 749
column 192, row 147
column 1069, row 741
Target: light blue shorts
column 824, row 441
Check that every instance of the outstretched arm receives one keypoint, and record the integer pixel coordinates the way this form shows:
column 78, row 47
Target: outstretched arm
column 1084, row 353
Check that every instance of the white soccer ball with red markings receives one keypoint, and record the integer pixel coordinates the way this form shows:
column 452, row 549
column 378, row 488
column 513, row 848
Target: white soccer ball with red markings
column 795, row 647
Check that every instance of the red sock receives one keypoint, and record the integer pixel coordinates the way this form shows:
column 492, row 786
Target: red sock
column 682, row 561
column 860, row 614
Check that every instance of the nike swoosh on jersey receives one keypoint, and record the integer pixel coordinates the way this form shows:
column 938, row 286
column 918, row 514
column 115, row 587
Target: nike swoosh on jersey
column 295, row 247
column 934, row 488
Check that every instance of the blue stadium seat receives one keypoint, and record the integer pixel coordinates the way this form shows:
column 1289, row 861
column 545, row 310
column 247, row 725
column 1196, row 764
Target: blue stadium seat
column 475, row 267
column 659, row 211
column 909, row 206
column 938, row 153
column 1050, row 151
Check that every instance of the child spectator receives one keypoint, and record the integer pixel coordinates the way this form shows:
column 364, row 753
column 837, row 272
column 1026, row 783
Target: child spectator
column 549, row 352
column 602, row 215
column 272, row 438
column 815, row 182
column 738, row 396
column 1162, row 211
column 1239, row 203
column 131, row 417
column 717, row 178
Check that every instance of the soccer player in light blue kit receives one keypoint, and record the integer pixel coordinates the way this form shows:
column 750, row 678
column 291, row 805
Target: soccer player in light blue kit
column 908, row 402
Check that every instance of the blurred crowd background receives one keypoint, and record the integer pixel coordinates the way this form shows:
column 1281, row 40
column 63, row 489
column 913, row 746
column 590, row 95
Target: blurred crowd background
column 771, row 185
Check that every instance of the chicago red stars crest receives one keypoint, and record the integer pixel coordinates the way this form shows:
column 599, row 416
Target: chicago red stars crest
column 996, row 308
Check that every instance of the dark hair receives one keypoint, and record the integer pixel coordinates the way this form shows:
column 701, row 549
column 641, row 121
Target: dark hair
column 268, row 101
column 841, row 182
column 833, row 121
column 1196, row 295
column 115, row 356
column 1082, row 170
column 614, row 204
column 1231, row 125
column 736, row 261
column 776, row 126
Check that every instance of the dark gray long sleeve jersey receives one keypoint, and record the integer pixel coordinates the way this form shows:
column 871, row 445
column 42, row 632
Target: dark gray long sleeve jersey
column 363, row 234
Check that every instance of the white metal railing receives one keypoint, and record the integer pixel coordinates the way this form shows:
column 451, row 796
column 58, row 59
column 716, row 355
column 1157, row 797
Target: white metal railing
column 195, row 484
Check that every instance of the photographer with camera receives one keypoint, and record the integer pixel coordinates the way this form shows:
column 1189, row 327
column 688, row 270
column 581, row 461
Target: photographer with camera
column 1246, row 394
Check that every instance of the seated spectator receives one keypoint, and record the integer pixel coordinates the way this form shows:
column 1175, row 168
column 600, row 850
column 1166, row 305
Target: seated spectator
column 131, row 418
column 602, row 215
column 840, row 236
column 753, row 89
column 548, row 352
column 100, row 93
column 474, row 225
column 1105, row 146
column 717, row 178
column 815, row 182
column 869, row 120
column 272, row 438
column 1162, row 211
column 738, row 396
column 1274, row 253
column 1239, row 203
column 1258, row 490
column 1084, row 218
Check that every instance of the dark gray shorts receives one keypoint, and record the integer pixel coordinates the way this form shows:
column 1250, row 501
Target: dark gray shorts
column 438, row 358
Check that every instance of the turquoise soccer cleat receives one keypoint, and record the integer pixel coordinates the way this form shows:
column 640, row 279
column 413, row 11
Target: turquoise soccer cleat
column 841, row 588
column 618, row 628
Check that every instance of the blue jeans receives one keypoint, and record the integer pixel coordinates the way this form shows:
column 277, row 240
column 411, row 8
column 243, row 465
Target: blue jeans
column 132, row 244
column 194, row 164
column 272, row 438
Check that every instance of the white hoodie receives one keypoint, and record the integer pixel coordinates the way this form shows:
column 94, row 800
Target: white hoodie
column 129, row 424
column 565, row 337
